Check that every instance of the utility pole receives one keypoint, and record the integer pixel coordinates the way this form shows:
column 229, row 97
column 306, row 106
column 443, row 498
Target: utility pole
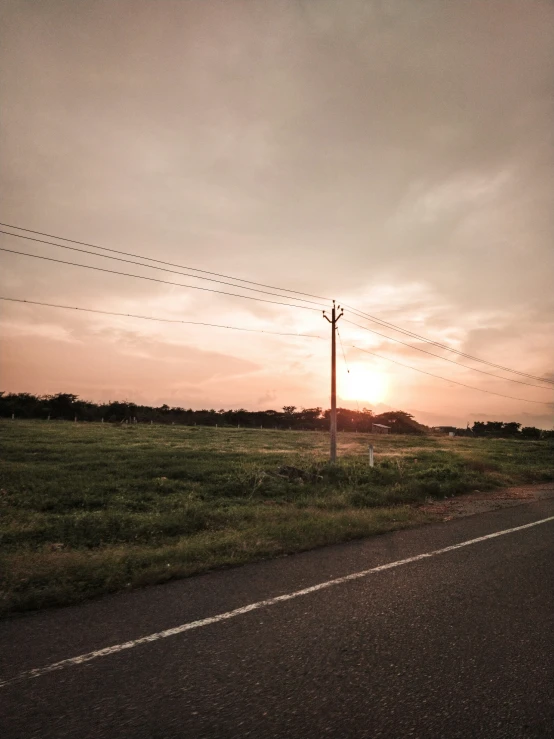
column 333, row 420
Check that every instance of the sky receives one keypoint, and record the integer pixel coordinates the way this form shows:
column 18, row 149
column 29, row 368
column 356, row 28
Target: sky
column 395, row 156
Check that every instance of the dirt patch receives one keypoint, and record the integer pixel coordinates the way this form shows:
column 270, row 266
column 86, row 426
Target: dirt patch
column 478, row 502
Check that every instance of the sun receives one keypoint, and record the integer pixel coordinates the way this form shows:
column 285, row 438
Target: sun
column 362, row 384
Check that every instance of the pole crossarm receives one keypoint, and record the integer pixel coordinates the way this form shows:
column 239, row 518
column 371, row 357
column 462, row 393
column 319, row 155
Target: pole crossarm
column 335, row 317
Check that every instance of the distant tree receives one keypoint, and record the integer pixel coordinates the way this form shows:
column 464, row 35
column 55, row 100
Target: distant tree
column 116, row 411
column 530, row 432
column 309, row 414
column 478, row 428
column 22, row 405
column 496, row 429
column 62, row 405
column 400, row 422
column 511, row 429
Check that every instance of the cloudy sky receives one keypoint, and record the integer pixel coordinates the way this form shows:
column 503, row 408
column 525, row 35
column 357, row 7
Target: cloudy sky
column 394, row 155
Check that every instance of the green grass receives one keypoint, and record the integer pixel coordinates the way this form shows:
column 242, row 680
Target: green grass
column 87, row 509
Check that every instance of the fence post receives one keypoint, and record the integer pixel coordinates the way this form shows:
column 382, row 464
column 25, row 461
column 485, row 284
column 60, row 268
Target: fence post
column 371, row 455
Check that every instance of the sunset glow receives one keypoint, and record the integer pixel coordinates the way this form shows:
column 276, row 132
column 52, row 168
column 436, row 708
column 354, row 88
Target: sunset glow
column 363, row 384
column 394, row 158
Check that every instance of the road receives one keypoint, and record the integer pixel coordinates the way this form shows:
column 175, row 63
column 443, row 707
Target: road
column 457, row 644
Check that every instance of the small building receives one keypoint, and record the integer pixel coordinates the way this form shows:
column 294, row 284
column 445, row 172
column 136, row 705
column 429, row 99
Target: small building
column 379, row 428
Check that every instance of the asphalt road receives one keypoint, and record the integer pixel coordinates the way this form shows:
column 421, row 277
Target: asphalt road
column 460, row 644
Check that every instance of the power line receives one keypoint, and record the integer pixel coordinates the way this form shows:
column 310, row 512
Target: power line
column 446, row 379
column 343, row 353
column 155, row 279
column 159, row 261
column 164, row 320
column 357, row 312
column 346, row 363
column 151, row 266
column 369, row 317
column 452, row 361
column 276, row 333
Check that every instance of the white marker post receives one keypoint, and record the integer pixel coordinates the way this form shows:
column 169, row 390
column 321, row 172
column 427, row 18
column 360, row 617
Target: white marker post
column 371, row 455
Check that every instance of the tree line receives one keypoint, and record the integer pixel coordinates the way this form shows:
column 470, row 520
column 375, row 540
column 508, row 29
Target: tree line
column 498, row 430
column 67, row 407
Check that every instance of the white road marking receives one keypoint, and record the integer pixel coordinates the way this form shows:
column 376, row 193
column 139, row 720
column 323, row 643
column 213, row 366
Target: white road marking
column 82, row 658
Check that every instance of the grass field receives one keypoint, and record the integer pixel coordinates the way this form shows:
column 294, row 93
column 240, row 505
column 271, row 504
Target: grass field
column 87, row 509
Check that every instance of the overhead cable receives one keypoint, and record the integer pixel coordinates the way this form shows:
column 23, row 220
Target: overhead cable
column 345, row 362
column 374, row 319
column 159, row 261
column 446, row 379
column 155, row 279
column 151, row 266
column 356, row 311
column 445, row 359
column 163, row 320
